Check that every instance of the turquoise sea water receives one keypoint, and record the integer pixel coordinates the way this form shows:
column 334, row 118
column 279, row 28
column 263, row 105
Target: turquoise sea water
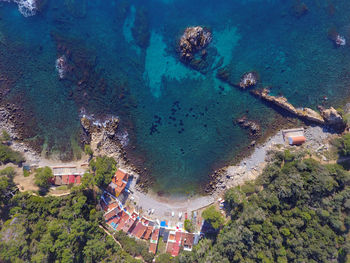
column 123, row 61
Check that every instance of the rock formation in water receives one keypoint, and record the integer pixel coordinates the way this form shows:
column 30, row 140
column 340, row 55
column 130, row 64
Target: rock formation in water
column 328, row 116
column 248, row 80
column 254, row 128
column 193, row 40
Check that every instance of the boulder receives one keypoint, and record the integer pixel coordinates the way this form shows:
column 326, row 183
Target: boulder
column 331, row 116
column 193, row 40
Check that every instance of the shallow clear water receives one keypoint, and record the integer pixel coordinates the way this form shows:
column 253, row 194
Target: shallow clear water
column 145, row 84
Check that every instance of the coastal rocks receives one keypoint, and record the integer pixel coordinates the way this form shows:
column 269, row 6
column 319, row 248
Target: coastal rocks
column 253, row 127
column 337, row 39
column 108, row 127
column 248, row 80
column 332, row 117
column 61, row 66
column 326, row 116
column 282, row 102
column 193, row 40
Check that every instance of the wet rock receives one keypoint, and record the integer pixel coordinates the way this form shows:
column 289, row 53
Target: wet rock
column 193, row 40
column 253, row 127
column 248, row 80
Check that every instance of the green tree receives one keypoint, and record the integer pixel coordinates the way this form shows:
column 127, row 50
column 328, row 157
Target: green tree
column 88, row 150
column 104, row 169
column 42, row 177
column 5, row 136
column 7, row 155
column 189, row 226
column 213, row 216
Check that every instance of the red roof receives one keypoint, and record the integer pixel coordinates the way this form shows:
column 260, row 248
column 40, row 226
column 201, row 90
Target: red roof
column 136, row 229
column 112, row 206
column 71, row 179
column 119, row 181
column 297, row 140
column 155, row 234
column 141, row 231
column 148, row 232
column 176, row 249
column 64, row 179
column 153, row 248
column 77, row 179
column 122, row 221
column 109, row 215
column 178, row 236
column 129, row 223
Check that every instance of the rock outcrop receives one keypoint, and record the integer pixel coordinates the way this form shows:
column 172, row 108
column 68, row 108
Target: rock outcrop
column 282, row 102
column 254, row 128
column 332, row 117
column 193, row 40
column 248, row 80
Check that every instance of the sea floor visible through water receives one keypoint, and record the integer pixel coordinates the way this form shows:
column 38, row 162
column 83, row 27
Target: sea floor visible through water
column 122, row 60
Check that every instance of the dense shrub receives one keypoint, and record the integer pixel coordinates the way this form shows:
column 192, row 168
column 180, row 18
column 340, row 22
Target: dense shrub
column 104, row 169
column 7, row 155
column 300, row 214
column 57, row 229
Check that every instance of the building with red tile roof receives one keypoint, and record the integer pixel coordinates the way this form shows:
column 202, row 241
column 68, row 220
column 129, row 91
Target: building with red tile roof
column 71, row 179
column 77, row 179
column 124, row 216
column 141, row 231
column 153, row 248
column 148, row 232
column 110, row 214
column 129, row 225
column 187, row 240
column 65, row 179
column 119, row 182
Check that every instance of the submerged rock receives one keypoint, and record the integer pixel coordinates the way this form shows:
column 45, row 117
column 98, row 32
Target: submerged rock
column 193, row 40
column 253, row 127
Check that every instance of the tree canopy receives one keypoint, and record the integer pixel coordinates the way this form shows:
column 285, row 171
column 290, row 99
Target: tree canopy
column 213, row 216
column 57, row 229
column 42, row 177
column 298, row 212
column 7, row 155
column 104, row 169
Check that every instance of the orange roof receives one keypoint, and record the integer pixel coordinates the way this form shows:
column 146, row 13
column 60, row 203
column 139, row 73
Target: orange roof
column 122, row 221
column 109, row 215
column 148, row 232
column 178, row 236
column 128, row 224
column 155, row 234
column 112, row 206
column 297, row 140
column 171, row 237
column 119, row 181
column 141, row 232
column 153, row 248
column 65, row 179
column 77, row 179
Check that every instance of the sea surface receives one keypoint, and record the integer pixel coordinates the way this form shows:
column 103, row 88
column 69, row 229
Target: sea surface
column 121, row 59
